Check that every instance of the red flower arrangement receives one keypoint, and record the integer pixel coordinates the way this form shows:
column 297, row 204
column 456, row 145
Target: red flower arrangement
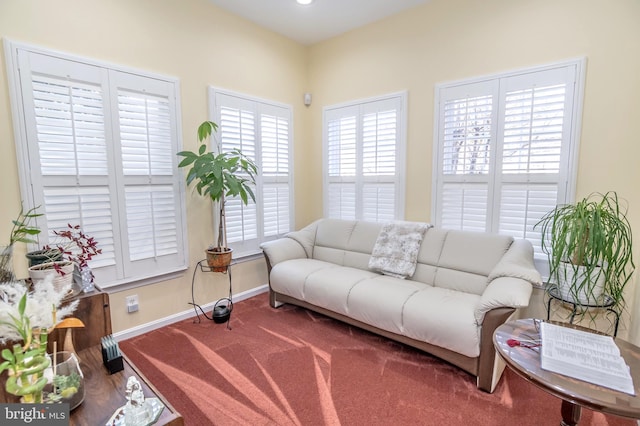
column 76, row 246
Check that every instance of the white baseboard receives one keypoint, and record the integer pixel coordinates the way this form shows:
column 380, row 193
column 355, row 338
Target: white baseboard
column 144, row 328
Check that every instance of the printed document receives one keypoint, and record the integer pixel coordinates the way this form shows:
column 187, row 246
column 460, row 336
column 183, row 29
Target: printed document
column 591, row 357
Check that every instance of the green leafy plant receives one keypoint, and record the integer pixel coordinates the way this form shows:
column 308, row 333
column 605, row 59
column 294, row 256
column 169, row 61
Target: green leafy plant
column 64, row 386
column 26, row 318
column 219, row 175
column 589, row 241
column 21, row 232
column 26, row 362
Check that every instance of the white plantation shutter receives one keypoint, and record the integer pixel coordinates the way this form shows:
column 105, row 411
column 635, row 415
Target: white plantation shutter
column 238, row 131
column 522, row 206
column 70, row 126
column 145, row 134
column 380, row 135
column 468, row 120
column 364, row 159
column 464, row 206
column 275, row 172
column 101, row 145
column 341, row 162
column 536, row 135
column 87, row 206
column 341, row 198
column 505, row 151
column 468, row 124
column 65, row 113
column 151, row 221
column 262, row 131
column 146, row 130
column 533, row 129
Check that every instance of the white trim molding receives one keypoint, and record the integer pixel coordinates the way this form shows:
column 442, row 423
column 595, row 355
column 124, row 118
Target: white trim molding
column 186, row 314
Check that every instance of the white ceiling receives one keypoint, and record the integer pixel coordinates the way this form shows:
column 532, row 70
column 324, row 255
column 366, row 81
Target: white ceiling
column 318, row 21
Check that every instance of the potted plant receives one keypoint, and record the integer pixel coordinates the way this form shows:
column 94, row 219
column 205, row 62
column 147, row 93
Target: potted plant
column 21, row 232
column 43, row 255
column 219, row 175
column 69, row 255
column 79, row 248
column 589, row 249
column 26, row 318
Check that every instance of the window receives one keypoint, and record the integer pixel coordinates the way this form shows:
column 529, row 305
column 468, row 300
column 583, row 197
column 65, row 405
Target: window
column 97, row 147
column 261, row 130
column 364, row 157
column 505, row 152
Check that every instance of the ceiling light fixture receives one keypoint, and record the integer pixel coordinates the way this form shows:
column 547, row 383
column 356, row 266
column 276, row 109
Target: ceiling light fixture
column 304, row 2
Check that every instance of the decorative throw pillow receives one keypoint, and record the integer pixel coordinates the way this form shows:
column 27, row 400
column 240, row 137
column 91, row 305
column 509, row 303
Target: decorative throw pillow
column 395, row 252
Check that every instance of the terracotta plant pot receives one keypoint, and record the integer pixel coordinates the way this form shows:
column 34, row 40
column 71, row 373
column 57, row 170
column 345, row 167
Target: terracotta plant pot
column 61, row 281
column 219, row 258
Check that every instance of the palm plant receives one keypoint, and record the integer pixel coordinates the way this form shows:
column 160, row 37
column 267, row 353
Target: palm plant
column 589, row 248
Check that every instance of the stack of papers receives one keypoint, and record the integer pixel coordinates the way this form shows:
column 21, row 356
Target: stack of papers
column 591, row 357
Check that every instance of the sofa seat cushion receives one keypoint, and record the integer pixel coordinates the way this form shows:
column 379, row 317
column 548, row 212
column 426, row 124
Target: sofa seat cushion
column 289, row 277
column 330, row 287
column 444, row 318
column 379, row 301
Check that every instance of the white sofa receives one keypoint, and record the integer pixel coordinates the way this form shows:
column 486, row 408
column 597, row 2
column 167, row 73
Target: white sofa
column 465, row 285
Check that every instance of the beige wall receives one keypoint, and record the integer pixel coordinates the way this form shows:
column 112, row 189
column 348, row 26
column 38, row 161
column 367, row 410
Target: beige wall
column 191, row 40
column 441, row 41
column 447, row 40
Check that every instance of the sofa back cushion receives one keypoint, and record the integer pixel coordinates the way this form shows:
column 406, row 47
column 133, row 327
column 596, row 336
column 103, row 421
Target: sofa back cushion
column 345, row 242
column 332, row 236
column 467, row 258
column 458, row 260
column 360, row 245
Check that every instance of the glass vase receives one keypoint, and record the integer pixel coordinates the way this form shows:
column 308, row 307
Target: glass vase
column 66, row 380
column 6, row 264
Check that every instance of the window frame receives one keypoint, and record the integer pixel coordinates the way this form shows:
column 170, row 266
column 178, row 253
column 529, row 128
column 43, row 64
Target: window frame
column 567, row 178
column 399, row 178
column 122, row 279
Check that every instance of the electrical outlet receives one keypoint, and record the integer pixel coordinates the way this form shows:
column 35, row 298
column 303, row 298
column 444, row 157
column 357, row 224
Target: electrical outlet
column 132, row 303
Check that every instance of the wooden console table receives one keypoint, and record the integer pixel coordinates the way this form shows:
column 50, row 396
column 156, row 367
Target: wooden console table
column 105, row 393
column 94, row 311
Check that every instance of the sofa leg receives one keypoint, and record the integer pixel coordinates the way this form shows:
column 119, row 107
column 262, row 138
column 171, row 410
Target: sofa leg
column 272, row 300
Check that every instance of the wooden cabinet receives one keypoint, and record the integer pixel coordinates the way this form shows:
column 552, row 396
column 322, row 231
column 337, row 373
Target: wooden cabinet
column 94, row 311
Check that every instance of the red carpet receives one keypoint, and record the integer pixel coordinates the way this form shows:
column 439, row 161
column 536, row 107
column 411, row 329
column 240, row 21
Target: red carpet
column 290, row 366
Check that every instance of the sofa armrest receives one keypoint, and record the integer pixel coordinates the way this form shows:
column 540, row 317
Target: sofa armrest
column 282, row 249
column 503, row 292
column 517, row 262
